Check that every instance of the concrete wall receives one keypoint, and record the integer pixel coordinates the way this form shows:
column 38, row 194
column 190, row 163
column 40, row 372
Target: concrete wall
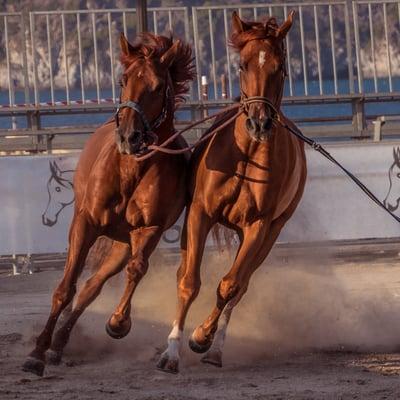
column 332, row 208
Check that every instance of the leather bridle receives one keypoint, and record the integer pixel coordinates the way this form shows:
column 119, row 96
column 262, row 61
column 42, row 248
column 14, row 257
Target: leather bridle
column 149, row 127
column 246, row 100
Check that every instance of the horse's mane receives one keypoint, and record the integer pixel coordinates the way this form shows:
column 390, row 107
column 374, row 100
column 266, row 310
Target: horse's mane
column 182, row 69
column 257, row 31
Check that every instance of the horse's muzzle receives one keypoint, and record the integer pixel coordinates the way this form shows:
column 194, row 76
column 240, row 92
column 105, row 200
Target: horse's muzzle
column 259, row 130
column 136, row 143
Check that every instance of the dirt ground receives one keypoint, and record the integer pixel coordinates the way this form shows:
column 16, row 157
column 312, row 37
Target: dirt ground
column 309, row 329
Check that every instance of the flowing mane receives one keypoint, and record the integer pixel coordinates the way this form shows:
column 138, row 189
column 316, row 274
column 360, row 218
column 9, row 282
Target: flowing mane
column 255, row 31
column 182, row 69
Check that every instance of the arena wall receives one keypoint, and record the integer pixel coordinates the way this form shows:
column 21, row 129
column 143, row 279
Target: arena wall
column 36, row 200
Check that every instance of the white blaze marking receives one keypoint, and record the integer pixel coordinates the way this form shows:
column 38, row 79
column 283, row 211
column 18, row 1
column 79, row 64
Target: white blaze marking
column 261, row 58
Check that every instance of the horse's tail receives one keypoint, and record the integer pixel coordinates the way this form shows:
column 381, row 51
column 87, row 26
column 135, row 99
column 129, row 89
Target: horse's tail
column 223, row 237
column 98, row 253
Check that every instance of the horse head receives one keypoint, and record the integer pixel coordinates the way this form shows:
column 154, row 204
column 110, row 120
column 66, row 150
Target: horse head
column 392, row 199
column 156, row 71
column 60, row 191
column 262, row 68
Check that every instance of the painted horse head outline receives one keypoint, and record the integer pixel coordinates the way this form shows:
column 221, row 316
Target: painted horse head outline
column 392, row 199
column 61, row 194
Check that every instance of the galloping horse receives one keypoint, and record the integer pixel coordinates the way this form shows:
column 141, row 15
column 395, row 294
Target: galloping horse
column 249, row 177
column 131, row 202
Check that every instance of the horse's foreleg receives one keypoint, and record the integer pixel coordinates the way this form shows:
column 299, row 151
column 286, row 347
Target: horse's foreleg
column 143, row 242
column 194, row 237
column 257, row 242
column 82, row 236
column 112, row 265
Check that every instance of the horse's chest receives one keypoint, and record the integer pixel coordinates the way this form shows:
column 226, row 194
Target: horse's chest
column 250, row 192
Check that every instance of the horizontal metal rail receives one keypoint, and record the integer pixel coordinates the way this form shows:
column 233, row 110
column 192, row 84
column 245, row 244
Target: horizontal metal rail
column 338, row 52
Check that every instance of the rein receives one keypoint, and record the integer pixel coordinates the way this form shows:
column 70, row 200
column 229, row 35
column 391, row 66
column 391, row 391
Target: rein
column 163, row 147
column 241, row 108
column 317, row 147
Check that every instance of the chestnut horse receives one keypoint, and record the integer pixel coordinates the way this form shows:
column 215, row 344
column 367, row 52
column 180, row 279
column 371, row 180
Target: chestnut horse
column 249, row 177
column 131, row 202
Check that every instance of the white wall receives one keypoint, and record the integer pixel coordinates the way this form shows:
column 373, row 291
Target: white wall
column 332, row 207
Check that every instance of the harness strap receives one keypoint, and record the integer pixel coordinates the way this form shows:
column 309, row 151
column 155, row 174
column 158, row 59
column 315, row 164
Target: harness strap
column 317, row 147
column 163, row 146
column 135, row 106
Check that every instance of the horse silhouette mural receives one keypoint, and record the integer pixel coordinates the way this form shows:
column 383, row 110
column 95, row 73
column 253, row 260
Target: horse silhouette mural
column 61, row 194
column 60, row 189
column 392, row 199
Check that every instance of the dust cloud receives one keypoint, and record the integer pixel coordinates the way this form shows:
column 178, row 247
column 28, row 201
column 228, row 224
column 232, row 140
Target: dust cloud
column 293, row 305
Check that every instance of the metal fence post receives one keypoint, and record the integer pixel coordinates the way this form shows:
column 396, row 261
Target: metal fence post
column 359, row 120
column 24, row 19
column 347, row 13
column 141, row 15
column 204, row 93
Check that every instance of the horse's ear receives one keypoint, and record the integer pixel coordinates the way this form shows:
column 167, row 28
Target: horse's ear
column 126, row 48
column 53, row 168
column 396, row 155
column 285, row 27
column 238, row 26
column 169, row 56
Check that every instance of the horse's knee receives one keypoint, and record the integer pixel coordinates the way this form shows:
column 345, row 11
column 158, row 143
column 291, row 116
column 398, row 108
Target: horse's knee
column 136, row 269
column 189, row 288
column 63, row 295
column 226, row 291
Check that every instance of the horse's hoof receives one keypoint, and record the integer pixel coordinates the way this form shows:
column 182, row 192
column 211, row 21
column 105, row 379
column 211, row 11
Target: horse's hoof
column 213, row 357
column 33, row 365
column 119, row 334
column 197, row 347
column 166, row 364
column 53, row 357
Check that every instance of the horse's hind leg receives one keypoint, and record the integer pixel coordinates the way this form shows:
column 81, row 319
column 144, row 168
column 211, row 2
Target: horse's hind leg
column 113, row 264
column 82, row 236
column 143, row 242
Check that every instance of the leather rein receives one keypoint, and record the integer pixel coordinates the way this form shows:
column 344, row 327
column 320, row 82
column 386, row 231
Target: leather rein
column 241, row 107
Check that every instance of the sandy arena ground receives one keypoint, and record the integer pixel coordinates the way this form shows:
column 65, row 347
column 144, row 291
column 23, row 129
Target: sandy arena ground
column 306, row 330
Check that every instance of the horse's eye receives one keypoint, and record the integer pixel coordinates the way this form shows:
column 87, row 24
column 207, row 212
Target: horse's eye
column 58, row 189
column 398, row 175
column 159, row 88
column 243, row 66
column 123, row 80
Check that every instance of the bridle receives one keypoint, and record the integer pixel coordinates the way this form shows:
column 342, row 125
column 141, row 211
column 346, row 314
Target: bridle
column 246, row 100
column 149, row 127
column 240, row 108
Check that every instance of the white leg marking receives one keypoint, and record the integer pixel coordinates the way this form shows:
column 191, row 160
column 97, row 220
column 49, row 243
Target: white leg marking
column 261, row 58
column 174, row 342
column 219, row 338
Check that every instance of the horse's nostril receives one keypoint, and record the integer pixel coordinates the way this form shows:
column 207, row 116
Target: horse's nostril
column 133, row 138
column 266, row 124
column 251, row 125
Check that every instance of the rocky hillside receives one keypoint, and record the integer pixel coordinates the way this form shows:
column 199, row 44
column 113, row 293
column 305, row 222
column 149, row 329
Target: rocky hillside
column 67, row 69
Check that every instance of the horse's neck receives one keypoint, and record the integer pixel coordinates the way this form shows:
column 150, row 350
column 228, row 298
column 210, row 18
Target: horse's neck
column 166, row 129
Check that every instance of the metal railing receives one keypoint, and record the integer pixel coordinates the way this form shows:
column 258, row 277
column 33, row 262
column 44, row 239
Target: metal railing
column 58, row 62
column 304, row 58
column 89, row 28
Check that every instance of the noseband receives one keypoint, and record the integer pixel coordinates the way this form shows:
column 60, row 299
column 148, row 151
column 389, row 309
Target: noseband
column 148, row 127
column 245, row 100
